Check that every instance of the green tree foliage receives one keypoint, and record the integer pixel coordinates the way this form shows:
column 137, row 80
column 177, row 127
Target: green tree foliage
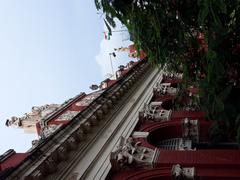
column 200, row 36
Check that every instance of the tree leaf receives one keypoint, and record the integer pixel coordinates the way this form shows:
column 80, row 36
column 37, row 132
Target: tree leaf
column 221, row 6
column 204, row 11
column 225, row 93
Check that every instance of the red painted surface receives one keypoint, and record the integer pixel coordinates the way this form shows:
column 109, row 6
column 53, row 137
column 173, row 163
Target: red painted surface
column 201, row 158
column 172, row 81
column 170, row 129
column 39, row 129
column 142, row 55
column 72, row 107
column 164, row 173
column 204, row 130
column 187, row 114
column 159, row 131
column 152, row 126
column 144, row 143
column 58, row 122
column 167, row 128
column 127, row 68
column 13, row 160
column 133, row 50
column 125, row 71
column 111, row 82
column 218, row 173
column 210, row 164
column 76, row 108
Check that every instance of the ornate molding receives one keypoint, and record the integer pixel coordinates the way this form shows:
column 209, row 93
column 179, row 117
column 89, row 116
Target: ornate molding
column 165, row 88
column 130, row 153
column 181, row 173
column 139, row 134
column 185, row 145
column 62, row 153
column 79, row 134
column 173, row 75
column 75, row 134
column 154, row 112
column 190, row 129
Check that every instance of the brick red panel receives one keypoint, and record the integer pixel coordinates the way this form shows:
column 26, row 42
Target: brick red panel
column 13, row 160
column 201, row 158
column 163, row 173
column 187, row 114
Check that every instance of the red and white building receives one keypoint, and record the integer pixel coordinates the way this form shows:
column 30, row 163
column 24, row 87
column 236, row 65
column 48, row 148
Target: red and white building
column 131, row 128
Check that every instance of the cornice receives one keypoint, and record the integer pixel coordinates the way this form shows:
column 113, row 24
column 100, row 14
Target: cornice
column 57, row 151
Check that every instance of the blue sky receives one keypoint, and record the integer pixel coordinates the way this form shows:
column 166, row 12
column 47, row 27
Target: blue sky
column 50, row 51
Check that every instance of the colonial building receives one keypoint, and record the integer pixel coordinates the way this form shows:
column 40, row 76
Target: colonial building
column 129, row 128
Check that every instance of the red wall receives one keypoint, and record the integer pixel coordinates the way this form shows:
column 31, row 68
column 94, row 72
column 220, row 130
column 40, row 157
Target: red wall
column 13, row 160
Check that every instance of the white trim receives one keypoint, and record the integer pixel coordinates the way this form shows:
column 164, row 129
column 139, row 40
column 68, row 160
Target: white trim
column 95, row 164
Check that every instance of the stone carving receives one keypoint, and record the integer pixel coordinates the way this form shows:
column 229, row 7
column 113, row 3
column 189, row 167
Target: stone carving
column 155, row 105
column 48, row 130
column 29, row 120
column 104, row 84
column 180, row 173
column 50, row 165
column 193, row 104
column 191, row 129
column 67, row 115
column 174, row 75
column 154, row 112
column 130, row 153
column 185, row 145
column 62, row 153
column 13, row 122
column 37, row 113
column 140, row 134
column 73, row 176
column 165, row 88
column 37, row 174
column 72, row 143
column 35, row 142
column 88, row 99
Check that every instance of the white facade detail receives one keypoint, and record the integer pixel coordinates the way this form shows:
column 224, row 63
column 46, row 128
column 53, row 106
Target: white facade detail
column 173, row 75
column 181, row 173
column 138, row 134
column 29, row 120
column 81, row 152
column 131, row 153
column 154, row 112
column 165, row 88
column 191, row 129
column 48, row 130
column 67, row 116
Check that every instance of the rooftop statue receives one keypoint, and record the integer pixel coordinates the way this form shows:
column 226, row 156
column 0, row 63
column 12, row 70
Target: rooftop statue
column 30, row 119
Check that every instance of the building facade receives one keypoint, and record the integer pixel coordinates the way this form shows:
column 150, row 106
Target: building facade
column 129, row 128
